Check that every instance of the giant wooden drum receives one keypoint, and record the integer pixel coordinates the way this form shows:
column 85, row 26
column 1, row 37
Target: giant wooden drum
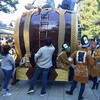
column 34, row 27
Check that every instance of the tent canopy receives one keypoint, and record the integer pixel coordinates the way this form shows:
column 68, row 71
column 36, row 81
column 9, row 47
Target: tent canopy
column 5, row 31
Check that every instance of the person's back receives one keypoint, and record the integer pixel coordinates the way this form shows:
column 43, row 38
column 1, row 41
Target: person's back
column 82, row 60
column 44, row 56
column 43, row 59
column 7, row 62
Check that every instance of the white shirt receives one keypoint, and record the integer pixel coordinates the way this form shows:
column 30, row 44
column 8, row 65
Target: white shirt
column 43, row 57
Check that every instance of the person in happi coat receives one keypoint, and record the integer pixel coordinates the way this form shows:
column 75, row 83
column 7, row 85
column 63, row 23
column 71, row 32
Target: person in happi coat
column 95, row 71
column 82, row 59
column 62, row 61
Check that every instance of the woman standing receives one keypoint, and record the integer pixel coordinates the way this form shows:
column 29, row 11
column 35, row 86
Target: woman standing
column 7, row 66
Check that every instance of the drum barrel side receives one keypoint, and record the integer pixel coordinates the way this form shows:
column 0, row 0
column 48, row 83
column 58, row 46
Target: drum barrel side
column 68, row 27
column 33, row 31
column 16, row 37
column 74, row 32
column 19, row 36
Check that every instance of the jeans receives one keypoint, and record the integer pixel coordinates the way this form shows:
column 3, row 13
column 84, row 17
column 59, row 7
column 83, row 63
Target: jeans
column 7, row 74
column 74, row 83
column 44, row 78
column 0, row 87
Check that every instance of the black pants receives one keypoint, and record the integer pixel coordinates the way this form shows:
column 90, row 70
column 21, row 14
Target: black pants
column 82, row 88
column 71, row 73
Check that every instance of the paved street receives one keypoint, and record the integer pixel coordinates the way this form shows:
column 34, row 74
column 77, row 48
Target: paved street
column 56, row 91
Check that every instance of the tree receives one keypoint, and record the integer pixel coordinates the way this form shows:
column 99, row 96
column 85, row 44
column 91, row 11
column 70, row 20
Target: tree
column 89, row 11
column 8, row 5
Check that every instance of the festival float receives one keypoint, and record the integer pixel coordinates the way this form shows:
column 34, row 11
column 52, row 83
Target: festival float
column 33, row 27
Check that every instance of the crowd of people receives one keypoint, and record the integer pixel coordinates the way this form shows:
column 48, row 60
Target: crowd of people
column 85, row 62
column 65, row 4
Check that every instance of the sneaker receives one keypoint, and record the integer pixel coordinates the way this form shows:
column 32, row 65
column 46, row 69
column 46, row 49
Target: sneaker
column 80, row 98
column 93, row 87
column 30, row 91
column 69, row 93
column 97, row 84
column 7, row 94
column 43, row 94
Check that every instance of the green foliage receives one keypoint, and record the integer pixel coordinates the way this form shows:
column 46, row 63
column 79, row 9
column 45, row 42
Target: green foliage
column 89, row 12
column 8, row 5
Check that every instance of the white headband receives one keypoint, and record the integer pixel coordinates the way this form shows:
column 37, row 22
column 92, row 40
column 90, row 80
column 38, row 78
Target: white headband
column 65, row 46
